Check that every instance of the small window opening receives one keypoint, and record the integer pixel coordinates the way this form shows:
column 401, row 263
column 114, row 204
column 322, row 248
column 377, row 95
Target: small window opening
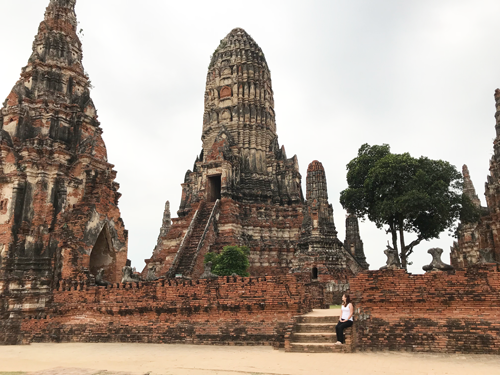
column 314, row 273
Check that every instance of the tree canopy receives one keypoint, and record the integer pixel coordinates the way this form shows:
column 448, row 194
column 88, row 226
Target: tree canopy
column 405, row 194
column 232, row 259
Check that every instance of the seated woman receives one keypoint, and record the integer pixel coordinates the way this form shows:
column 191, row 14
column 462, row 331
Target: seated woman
column 345, row 319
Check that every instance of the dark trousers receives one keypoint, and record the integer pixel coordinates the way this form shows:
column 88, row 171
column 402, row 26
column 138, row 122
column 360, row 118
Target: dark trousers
column 340, row 330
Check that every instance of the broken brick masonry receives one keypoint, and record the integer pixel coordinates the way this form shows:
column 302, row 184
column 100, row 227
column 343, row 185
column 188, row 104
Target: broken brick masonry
column 480, row 242
column 59, row 216
column 442, row 312
column 447, row 312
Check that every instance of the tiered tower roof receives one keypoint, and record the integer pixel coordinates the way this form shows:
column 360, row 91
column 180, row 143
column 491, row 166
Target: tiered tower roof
column 316, row 181
column 469, row 189
column 54, row 168
column 239, row 95
column 55, row 88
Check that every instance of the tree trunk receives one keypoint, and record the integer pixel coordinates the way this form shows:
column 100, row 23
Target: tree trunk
column 404, row 264
column 403, row 247
column 394, row 238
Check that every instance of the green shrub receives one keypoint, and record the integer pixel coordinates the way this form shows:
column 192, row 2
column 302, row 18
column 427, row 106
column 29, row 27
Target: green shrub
column 232, row 259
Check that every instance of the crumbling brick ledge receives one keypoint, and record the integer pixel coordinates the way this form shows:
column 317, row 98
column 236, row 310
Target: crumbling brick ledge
column 449, row 312
column 227, row 310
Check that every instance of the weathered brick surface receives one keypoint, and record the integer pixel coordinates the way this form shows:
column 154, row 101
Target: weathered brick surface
column 479, row 242
column 59, row 215
column 232, row 311
column 242, row 165
column 437, row 311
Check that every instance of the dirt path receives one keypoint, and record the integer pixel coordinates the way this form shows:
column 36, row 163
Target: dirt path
column 124, row 359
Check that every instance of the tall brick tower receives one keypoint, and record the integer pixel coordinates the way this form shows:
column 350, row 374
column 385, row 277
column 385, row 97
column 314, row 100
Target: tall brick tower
column 59, row 215
column 240, row 158
column 353, row 242
column 480, row 242
column 465, row 251
column 243, row 190
column 320, row 253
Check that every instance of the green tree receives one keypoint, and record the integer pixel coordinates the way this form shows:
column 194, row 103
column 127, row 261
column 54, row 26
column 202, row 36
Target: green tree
column 232, row 259
column 405, row 194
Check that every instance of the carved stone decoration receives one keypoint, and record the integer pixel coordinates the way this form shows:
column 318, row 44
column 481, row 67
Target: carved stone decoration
column 225, row 92
column 91, row 279
column 128, row 275
column 99, row 278
column 151, row 276
column 207, row 273
column 437, row 264
column 486, row 256
column 392, row 262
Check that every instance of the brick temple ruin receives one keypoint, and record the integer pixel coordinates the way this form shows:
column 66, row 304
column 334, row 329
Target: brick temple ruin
column 59, row 215
column 244, row 190
column 480, row 242
column 63, row 245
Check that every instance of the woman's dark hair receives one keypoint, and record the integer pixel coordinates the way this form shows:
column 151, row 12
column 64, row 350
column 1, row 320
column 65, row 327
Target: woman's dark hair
column 347, row 300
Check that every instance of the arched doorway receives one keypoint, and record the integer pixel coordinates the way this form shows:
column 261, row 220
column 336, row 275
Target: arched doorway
column 102, row 255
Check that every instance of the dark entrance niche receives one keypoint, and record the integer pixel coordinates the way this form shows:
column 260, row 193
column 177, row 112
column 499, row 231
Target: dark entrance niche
column 213, row 188
column 314, row 273
column 101, row 255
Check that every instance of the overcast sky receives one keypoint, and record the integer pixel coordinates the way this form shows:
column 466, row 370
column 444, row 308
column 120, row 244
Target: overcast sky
column 418, row 75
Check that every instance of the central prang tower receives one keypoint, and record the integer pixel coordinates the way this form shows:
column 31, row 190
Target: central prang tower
column 243, row 190
column 241, row 158
column 239, row 99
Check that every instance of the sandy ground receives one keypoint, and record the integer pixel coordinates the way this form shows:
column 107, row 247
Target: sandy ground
column 158, row 359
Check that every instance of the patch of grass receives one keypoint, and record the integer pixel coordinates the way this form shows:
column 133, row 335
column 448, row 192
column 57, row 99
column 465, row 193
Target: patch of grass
column 335, row 306
column 12, row 373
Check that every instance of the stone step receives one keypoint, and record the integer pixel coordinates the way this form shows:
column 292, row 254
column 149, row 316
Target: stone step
column 317, row 348
column 323, row 337
column 188, row 253
column 318, row 319
column 201, row 228
column 184, row 262
column 195, row 238
column 191, row 248
column 314, row 327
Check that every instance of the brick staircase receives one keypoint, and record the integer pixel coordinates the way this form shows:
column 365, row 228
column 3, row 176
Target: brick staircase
column 315, row 333
column 184, row 267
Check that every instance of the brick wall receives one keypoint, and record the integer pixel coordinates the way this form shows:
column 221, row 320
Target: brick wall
column 228, row 310
column 440, row 312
